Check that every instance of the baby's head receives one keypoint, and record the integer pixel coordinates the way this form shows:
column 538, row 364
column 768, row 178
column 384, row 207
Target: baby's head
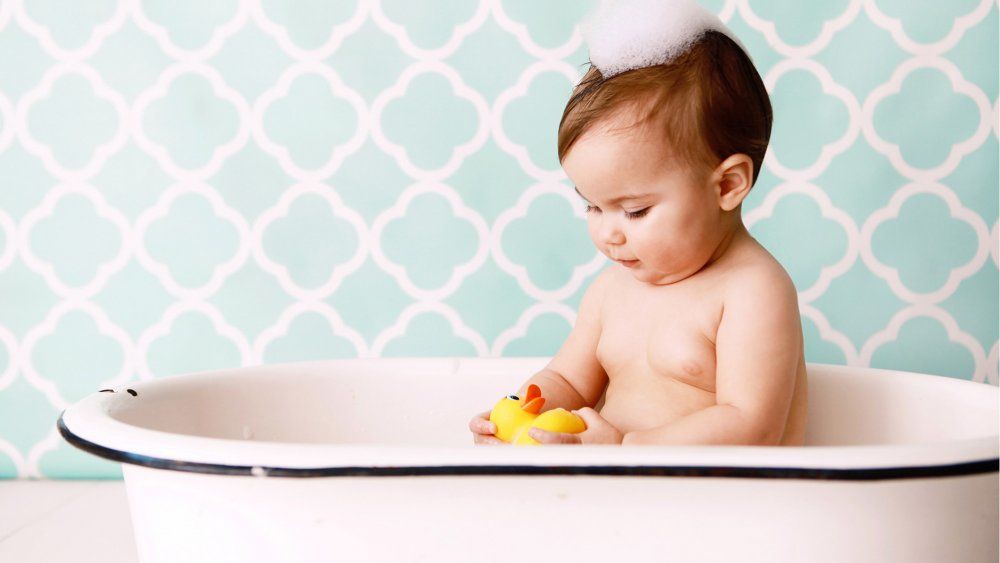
column 685, row 138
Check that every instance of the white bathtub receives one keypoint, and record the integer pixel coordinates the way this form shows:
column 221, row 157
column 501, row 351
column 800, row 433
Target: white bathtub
column 371, row 460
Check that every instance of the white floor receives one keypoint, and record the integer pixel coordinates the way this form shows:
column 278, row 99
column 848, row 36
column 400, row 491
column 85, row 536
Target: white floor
column 65, row 521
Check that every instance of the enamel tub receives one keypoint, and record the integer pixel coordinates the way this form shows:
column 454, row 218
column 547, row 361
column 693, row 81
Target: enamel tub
column 372, row 460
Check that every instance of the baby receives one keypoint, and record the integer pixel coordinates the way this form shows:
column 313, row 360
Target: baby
column 692, row 334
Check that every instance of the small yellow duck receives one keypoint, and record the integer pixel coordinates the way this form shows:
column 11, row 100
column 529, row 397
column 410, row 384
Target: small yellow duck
column 514, row 416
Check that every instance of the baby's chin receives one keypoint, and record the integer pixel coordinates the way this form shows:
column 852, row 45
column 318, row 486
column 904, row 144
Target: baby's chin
column 650, row 275
column 656, row 273
column 641, row 272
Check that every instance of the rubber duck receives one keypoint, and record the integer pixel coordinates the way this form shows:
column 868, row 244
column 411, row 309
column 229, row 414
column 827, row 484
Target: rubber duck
column 514, row 416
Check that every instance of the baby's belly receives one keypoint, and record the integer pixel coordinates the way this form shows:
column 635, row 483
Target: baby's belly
column 646, row 401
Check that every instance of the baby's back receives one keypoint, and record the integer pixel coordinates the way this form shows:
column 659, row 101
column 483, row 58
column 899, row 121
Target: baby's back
column 658, row 343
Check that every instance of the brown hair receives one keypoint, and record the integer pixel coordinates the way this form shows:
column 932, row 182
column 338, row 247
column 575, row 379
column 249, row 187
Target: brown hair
column 709, row 102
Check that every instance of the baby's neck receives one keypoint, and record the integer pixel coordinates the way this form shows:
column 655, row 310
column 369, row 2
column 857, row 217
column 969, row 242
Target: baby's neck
column 735, row 233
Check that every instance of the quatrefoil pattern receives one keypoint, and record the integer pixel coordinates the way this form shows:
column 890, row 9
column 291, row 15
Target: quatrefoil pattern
column 189, row 187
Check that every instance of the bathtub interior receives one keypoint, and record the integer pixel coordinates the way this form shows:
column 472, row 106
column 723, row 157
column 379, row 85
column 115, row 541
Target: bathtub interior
column 429, row 402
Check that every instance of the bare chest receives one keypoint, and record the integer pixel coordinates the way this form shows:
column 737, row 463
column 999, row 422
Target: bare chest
column 657, row 346
column 665, row 333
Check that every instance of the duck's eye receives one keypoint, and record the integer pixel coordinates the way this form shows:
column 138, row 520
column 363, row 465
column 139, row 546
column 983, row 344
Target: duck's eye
column 513, row 397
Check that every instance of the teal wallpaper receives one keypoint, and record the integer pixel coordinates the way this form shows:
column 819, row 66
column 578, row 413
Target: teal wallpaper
column 190, row 185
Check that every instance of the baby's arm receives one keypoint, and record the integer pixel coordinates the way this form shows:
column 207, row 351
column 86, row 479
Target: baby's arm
column 758, row 349
column 574, row 379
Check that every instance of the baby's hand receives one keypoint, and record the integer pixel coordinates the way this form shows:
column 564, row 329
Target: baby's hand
column 599, row 431
column 483, row 430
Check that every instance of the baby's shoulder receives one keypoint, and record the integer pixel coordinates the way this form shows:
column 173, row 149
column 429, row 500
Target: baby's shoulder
column 758, row 275
column 592, row 302
column 603, row 282
column 761, row 300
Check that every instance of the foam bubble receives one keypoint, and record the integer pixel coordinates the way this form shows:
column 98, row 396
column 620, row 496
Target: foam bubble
column 629, row 34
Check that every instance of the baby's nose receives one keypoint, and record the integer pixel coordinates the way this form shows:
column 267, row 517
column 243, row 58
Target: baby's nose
column 610, row 232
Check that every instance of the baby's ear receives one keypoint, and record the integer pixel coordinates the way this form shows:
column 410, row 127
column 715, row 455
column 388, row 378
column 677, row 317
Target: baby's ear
column 735, row 177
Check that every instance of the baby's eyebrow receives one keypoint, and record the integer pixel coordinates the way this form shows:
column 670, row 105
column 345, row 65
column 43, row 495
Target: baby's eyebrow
column 614, row 199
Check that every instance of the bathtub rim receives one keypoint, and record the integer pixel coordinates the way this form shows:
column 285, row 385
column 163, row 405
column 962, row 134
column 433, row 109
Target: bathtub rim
column 88, row 426
column 539, row 467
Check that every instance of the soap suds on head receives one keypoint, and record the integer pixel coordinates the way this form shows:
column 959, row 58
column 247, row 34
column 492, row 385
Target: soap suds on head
column 629, row 34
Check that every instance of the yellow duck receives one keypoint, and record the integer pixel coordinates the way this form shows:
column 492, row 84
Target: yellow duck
column 514, row 416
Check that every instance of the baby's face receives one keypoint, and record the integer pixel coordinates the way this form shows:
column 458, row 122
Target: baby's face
column 670, row 222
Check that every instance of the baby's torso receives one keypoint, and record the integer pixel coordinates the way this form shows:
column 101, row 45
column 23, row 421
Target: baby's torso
column 657, row 346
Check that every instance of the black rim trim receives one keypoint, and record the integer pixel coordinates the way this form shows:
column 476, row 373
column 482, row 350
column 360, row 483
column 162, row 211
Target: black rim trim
column 877, row 474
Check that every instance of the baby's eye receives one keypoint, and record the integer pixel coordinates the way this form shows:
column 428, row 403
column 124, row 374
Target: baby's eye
column 591, row 208
column 636, row 214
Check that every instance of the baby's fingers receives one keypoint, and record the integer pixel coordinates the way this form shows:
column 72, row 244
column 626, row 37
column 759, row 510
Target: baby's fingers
column 483, row 439
column 546, row 437
column 480, row 424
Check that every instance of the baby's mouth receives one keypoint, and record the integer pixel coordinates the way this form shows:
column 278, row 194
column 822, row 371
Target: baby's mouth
column 629, row 263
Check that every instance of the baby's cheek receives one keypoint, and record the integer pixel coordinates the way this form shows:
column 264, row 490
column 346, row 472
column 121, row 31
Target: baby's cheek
column 661, row 249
